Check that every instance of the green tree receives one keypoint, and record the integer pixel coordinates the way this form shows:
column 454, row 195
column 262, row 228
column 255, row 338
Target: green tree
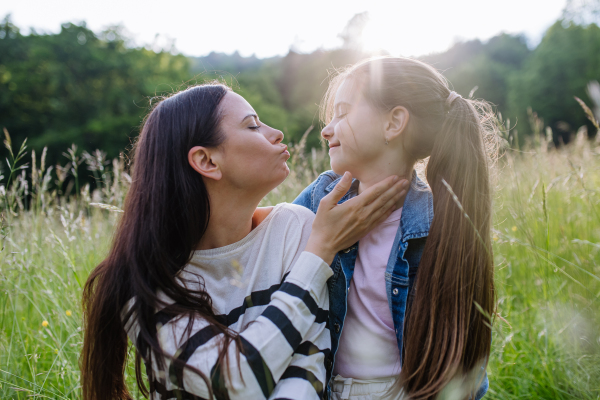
column 79, row 87
column 484, row 68
column 567, row 58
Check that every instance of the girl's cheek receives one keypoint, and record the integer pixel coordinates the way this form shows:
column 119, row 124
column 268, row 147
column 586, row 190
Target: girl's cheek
column 341, row 128
column 348, row 137
column 336, row 129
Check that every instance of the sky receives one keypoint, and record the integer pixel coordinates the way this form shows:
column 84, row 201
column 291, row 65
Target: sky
column 268, row 28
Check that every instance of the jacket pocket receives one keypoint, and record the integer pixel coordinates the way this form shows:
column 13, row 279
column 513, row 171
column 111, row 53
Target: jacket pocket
column 396, row 280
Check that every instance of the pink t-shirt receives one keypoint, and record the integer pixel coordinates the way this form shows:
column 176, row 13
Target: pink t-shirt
column 368, row 348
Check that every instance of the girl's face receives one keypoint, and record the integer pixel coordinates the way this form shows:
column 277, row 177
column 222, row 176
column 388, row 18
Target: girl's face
column 355, row 134
column 252, row 156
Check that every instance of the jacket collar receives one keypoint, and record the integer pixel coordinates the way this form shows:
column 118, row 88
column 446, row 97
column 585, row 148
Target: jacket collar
column 353, row 187
column 417, row 212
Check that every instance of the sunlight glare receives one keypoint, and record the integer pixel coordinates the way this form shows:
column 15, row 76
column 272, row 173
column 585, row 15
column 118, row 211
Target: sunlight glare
column 373, row 36
column 399, row 38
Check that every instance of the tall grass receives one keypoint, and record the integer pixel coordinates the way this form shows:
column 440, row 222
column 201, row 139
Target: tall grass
column 547, row 253
column 546, row 243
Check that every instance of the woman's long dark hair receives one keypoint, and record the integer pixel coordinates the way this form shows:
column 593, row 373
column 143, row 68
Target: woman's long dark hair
column 447, row 332
column 166, row 213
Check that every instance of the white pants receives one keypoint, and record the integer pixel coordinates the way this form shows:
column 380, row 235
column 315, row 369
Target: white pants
column 365, row 389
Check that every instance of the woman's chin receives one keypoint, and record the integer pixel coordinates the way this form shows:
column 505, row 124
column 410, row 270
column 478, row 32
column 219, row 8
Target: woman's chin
column 284, row 174
column 287, row 172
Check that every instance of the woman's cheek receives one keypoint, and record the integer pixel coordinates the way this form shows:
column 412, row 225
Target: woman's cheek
column 249, row 160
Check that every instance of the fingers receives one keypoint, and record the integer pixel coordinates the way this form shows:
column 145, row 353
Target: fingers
column 375, row 191
column 381, row 214
column 399, row 187
column 339, row 190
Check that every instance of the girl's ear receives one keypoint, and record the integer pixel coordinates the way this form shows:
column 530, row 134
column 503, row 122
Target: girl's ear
column 203, row 160
column 396, row 123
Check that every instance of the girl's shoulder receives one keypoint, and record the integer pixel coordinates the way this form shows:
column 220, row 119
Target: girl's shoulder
column 319, row 188
column 325, row 182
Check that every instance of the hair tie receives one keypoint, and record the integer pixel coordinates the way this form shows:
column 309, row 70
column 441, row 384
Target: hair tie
column 451, row 97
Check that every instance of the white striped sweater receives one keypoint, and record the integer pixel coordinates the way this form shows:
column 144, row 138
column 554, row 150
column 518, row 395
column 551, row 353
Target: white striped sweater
column 271, row 292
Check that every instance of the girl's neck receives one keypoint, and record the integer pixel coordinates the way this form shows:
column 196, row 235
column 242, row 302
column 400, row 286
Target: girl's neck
column 370, row 178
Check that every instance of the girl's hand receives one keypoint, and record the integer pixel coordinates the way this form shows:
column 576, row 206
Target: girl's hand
column 339, row 226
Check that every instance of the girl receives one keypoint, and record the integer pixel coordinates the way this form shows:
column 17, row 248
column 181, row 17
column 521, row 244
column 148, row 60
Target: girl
column 413, row 297
column 218, row 297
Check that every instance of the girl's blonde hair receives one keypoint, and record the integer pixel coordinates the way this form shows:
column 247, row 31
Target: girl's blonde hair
column 447, row 331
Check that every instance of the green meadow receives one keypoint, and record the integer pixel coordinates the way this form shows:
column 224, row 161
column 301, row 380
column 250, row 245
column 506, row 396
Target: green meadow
column 546, row 248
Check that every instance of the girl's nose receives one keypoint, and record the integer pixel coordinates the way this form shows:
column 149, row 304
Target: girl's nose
column 327, row 132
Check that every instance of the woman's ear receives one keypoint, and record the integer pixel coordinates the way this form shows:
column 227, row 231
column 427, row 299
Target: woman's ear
column 397, row 121
column 203, row 161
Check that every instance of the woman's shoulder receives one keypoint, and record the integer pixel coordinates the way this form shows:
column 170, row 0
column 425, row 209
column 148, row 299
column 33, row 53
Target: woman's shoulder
column 293, row 213
column 289, row 223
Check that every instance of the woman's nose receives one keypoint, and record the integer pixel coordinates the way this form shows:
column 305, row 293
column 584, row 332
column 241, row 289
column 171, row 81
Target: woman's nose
column 274, row 136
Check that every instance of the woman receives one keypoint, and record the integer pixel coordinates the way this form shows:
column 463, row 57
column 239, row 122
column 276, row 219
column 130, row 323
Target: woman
column 218, row 297
column 413, row 298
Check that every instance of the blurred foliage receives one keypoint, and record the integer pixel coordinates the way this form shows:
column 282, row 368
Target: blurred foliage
column 483, row 68
column 582, row 11
column 79, row 87
column 93, row 89
column 560, row 67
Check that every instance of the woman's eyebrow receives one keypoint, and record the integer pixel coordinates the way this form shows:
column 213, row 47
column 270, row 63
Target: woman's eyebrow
column 248, row 116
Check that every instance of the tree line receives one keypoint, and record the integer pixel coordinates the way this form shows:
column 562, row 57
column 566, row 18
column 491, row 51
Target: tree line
column 93, row 89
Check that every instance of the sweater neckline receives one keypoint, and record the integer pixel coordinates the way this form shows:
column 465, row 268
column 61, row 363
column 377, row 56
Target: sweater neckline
column 249, row 238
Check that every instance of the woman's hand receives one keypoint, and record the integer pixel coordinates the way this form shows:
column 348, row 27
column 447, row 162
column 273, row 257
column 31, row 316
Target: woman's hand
column 339, row 226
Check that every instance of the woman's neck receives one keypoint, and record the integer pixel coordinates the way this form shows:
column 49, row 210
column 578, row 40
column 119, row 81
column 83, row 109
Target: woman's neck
column 231, row 218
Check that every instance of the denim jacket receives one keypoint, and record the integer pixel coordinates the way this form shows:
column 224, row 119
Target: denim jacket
column 401, row 270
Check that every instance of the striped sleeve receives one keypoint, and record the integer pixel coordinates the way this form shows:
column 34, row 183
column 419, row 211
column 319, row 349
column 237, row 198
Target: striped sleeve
column 277, row 338
column 305, row 377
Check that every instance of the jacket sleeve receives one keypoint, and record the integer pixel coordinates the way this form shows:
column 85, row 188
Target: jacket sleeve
column 485, row 384
column 268, row 345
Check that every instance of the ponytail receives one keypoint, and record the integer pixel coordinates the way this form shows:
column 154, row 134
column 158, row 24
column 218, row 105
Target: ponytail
column 448, row 324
